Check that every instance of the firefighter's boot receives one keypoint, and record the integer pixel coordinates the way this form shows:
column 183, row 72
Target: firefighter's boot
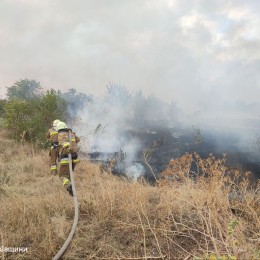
column 67, row 185
column 69, row 189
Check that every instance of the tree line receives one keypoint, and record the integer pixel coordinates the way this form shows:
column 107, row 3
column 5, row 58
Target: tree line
column 27, row 111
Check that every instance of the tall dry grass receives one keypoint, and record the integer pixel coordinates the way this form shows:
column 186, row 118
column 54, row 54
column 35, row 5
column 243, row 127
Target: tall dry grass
column 35, row 212
column 179, row 218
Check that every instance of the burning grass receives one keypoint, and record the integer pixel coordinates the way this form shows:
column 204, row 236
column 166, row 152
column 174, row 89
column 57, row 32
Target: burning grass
column 119, row 219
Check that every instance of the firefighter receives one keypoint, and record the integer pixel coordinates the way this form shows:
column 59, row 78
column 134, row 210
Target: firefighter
column 67, row 141
column 52, row 136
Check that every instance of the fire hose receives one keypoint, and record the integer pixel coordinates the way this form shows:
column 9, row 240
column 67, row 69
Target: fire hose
column 76, row 211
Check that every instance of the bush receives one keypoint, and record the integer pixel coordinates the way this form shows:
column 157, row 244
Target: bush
column 30, row 119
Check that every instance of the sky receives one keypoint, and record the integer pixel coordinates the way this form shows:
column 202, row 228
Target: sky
column 202, row 54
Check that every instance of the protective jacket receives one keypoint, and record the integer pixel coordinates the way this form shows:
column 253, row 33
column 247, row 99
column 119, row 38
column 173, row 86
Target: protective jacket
column 52, row 136
column 67, row 141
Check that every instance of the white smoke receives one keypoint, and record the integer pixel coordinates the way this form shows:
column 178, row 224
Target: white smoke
column 106, row 121
column 135, row 171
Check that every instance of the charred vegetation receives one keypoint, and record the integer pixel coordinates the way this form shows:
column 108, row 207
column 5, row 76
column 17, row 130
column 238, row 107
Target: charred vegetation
column 157, row 147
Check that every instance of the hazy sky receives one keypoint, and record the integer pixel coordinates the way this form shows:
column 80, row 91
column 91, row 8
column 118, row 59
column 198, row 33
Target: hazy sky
column 202, row 54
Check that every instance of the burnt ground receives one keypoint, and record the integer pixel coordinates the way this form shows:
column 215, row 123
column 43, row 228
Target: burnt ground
column 164, row 145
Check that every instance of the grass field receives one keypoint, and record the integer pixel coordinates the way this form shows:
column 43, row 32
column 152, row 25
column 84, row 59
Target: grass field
column 122, row 219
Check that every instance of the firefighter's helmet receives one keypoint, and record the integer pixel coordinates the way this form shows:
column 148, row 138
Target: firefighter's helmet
column 55, row 122
column 61, row 125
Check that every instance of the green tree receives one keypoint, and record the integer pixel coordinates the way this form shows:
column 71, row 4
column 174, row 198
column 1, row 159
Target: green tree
column 24, row 89
column 30, row 119
column 18, row 114
column 52, row 106
column 29, row 113
column 49, row 106
column 2, row 104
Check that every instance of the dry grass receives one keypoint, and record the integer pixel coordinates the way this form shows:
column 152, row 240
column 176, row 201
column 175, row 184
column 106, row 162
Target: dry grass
column 120, row 219
column 35, row 211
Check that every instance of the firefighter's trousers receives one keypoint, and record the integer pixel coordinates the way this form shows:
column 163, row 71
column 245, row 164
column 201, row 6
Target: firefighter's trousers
column 54, row 155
